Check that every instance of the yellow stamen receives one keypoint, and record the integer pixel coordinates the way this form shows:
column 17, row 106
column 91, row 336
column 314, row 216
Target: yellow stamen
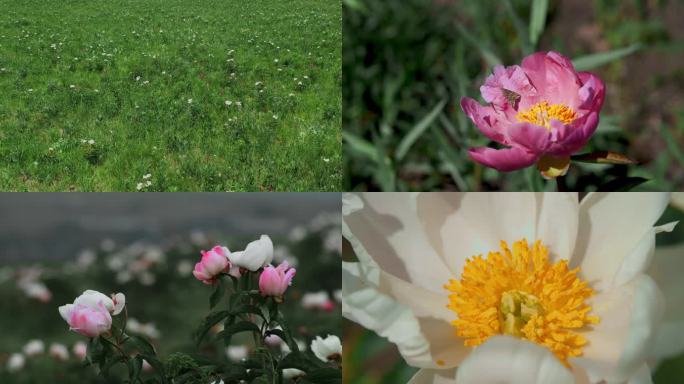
column 542, row 114
column 519, row 292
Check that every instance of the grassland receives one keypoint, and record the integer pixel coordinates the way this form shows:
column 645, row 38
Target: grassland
column 170, row 95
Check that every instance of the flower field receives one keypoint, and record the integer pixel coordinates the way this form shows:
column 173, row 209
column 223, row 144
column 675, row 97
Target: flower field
column 180, row 309
column 172, row 95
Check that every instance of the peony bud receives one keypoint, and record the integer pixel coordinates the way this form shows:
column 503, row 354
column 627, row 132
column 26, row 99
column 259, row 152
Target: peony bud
column 258, row 253
column 59, row 351
column 90, row 314
column 80, row 349
column 275, row 280
column 328, row 349
column 16, row 362
column 213, row 263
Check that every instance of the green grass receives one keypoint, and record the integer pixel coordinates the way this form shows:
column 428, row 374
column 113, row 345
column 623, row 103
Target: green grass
column 122, row 72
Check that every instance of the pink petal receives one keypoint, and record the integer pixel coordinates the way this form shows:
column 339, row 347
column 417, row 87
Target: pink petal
column 592, row 93
column 534, row 138
column 504, row 160
column 554, row 76
column 569, row 139
column 485, row 119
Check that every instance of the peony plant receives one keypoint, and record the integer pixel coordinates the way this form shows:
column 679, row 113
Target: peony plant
column 247, row 293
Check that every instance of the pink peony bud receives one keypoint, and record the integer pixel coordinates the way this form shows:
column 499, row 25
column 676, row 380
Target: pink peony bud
column 88, row 321
column 213, row 263
column 275, row 280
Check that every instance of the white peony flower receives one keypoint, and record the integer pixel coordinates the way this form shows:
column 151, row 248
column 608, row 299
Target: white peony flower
column 237, row 352
column 327, row 349
column 257, row 254
column 16, row 362
column 34, row 347
column 508, row 287
column 291, row 373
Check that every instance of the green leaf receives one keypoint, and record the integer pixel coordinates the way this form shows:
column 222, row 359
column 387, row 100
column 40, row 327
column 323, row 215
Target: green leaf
column 143, row 345
column 672, row 146
column 211, row 320
column 134, row 368
column 356, row 5
column 418, row 130
column 360, row 146
column 537, row 19
column 157, row 365
column 520, row 28
column 622, row 184
column 217, row 295
column 486, row 52
column 603, row 157
column 240, row 326
column 324, row 375
column 597, row 59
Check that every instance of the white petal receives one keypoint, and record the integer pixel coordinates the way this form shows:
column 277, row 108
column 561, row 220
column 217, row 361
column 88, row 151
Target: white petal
column 120, row 303
column 642, row 376
column 65, row 311
column 387, row 230
column 639, row 259
column 666, row 270
column 92, row 299
column 505, row 359
column 351, row 203
column 620, row 343
column 677, row 199
column 434, row 376
column 557, row 224
column 475, row 223
column 421, row 341
column 611, row 225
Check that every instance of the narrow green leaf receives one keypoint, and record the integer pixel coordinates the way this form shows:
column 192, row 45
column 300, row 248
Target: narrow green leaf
column 537, row 19
column 211, row 320
column 487, row 54
column 356, row 5
column 520, row 28
column 597, row 59
column 603, row 157
column 360, row 145
column 624, row 184
column 143, row 345
column 418, row 130
column 672, row 146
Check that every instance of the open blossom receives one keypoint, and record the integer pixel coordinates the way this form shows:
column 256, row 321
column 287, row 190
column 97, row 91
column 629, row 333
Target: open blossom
column 328, row 349
column 514, row 288
column 257, row 254
column 542, row 111
column 91, row 313
column 212, row 264
column 275, row 280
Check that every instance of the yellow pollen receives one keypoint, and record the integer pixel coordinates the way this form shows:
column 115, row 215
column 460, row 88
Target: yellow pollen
column 518, row 292
column 542, row 114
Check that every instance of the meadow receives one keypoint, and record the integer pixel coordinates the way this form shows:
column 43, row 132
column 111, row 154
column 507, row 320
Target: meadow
column 170, row 95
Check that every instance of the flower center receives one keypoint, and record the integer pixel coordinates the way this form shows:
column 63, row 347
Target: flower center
column 542, row 114
column 520, row 293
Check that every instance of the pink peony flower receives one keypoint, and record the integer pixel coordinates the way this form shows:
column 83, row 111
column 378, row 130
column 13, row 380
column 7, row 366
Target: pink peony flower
column 89, row 321
column 543, row 111
column 275, row 280
column 213, row 263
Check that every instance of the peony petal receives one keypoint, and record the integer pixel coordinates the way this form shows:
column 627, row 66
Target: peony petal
column 568, row 139
column 504, row 160
column 557, row 223
column 611, row 225
column 534, row 138
column 485, row 119
column 509, row 360
column 482, row 220
column 666, row 270
column 642, row 376
column 434, row 376
column 592, row 93
column 387, row 231
column 363, row 303
column 65, row 311
column 620, row 343
column 640, row 257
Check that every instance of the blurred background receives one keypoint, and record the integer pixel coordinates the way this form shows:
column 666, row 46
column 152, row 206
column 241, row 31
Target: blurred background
column 371, row 359
column 54, row 246
column 407, row 63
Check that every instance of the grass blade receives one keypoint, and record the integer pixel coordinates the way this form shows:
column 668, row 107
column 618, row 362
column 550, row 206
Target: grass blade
column 520, row 28
column 418, row 130
column 489, row 56
column 537, row 19
column 672, row 146
column 360, row 146
column 594, row 60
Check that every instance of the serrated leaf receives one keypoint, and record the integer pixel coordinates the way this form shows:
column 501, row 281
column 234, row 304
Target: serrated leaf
column 603, row 157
